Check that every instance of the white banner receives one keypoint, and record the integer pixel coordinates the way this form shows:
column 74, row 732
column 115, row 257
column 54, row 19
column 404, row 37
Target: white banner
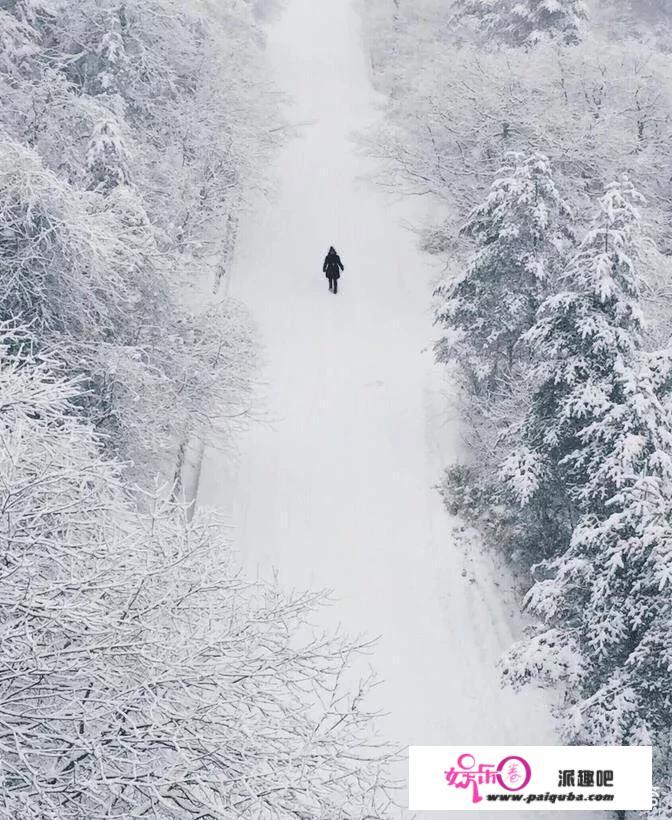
column 487, row 778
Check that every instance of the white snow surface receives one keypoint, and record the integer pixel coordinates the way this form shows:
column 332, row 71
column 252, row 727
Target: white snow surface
column 335, row 488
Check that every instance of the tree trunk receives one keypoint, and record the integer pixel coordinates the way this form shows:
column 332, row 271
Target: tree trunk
column 192, row 489
column 179, row 467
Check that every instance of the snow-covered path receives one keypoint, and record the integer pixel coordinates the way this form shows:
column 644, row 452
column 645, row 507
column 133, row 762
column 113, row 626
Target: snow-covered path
column 336, row 490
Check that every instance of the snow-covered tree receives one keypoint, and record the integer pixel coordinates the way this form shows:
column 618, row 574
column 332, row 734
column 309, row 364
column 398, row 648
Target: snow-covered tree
column 638, row 18
column 532, row 21
column 528, row 22
column 67, row 267
column 604, row 603
column 487, row 15
column 455, row 109
column 86, row 274
column 521, row 233
column 599, row 440
column 142, row 675
column 16, row 43
column 171, row 96
column 581, row 335
column 107, row 161
column 568, row 469
column 132, row 143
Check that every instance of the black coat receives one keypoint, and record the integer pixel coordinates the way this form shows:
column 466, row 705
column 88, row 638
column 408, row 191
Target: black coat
column 332, row 266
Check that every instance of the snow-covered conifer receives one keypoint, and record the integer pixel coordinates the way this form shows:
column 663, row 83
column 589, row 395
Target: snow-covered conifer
column 569, row 469
column 532, row 21
column 599, row 437
column 528, row 22
column 17, row 44
column 581, row 334
column 604, row 603
column 521, row 233
column 107, row 161
column 486, row 14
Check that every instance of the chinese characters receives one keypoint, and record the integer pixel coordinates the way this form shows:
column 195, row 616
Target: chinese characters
column 511, row 773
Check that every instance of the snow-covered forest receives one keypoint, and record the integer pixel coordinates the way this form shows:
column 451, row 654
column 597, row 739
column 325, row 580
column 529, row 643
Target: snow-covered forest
column 186, row 412
column 544, row 129
column 142, row 675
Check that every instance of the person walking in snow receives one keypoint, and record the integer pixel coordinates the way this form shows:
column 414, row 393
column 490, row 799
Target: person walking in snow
column 332, row 268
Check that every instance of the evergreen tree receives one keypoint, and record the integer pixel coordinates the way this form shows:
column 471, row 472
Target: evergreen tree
column 522, row 231
column 600, row 428
column 107, row 159
column 604, row 604
column 486, row 14
column 527, row 22
column 581, row 334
